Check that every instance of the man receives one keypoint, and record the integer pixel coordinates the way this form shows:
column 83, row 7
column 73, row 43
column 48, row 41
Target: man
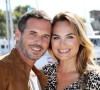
column 33, row 37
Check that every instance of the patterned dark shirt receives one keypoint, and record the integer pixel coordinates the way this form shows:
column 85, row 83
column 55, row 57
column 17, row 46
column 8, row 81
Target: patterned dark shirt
column 93, row 80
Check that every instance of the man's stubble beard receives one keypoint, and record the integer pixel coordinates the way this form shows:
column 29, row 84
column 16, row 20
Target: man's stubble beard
column 25, row 52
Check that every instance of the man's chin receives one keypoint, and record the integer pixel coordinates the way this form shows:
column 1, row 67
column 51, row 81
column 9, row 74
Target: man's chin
column 34, row 58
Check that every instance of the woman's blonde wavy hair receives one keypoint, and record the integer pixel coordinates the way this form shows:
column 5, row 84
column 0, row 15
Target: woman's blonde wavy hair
column 85, row 60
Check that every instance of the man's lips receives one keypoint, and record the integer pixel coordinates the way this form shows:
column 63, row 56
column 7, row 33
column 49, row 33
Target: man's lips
column 36, row 49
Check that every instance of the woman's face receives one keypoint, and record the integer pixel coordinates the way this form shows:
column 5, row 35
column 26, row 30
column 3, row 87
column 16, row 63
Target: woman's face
column 65, row 44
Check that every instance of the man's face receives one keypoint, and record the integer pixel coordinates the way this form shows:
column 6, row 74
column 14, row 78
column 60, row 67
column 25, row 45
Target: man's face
column 35, row 39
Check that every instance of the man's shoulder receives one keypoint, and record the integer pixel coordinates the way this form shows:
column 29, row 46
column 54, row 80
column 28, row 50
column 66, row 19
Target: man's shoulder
column 6, row 56
column 4, row 62
column 3, row 56
column 3, row 59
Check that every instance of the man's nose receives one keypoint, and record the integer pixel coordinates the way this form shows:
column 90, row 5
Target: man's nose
column 38, row 39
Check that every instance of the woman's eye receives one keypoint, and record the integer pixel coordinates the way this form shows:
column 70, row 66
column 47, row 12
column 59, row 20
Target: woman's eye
column 70, row 37
column 55, row 38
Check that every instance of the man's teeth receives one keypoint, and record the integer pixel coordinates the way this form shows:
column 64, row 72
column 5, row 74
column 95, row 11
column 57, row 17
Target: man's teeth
column 35, row 49
column 64, row 50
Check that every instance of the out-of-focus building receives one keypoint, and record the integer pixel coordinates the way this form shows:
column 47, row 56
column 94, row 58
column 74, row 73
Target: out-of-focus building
column 95, row 15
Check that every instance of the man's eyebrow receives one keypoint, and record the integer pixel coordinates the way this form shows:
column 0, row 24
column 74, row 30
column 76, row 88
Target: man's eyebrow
column 47, row 35
column 33, row 31
column 36, row 32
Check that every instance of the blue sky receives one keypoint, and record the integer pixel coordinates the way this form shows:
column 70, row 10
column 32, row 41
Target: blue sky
column 52, row 7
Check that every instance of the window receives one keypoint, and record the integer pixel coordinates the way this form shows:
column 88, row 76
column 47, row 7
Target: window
column 6, row 46
column 2, row 46
column 96, row 42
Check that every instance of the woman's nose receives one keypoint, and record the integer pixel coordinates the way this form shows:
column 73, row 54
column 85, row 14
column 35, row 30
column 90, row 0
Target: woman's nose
column 62, row 42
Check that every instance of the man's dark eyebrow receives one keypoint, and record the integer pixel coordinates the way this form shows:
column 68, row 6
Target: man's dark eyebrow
column 33, row 31
column 47, row 35
column 36, row 32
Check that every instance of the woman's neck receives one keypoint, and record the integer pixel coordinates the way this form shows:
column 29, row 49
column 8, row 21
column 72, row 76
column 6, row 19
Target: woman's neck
column 67, row 66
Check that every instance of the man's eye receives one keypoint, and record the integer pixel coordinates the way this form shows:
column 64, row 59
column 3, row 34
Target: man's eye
column 32, row 33
column 46, row 37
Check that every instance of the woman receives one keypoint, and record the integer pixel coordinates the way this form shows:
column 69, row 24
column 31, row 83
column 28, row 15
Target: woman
column 74, row 69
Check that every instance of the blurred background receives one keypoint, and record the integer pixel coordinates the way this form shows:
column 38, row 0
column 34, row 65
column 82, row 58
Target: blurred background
column 12, row 10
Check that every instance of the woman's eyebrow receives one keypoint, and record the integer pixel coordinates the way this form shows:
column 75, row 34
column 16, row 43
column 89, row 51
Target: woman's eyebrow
column 66, row 34
column 55, row 35
column 70, row 34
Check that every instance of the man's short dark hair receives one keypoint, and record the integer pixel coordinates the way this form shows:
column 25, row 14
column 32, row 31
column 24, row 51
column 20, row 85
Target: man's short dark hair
column 39, row 14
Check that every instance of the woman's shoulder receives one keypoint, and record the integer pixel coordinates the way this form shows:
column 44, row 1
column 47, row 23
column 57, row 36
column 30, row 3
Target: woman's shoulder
column 49, row 69
column 94, row 74
column 94, row 79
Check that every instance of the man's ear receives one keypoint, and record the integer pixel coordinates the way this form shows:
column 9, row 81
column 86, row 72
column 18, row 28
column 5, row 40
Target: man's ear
column 17, row 34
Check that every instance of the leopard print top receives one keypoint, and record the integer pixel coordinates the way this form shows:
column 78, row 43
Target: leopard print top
column 93, row 82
